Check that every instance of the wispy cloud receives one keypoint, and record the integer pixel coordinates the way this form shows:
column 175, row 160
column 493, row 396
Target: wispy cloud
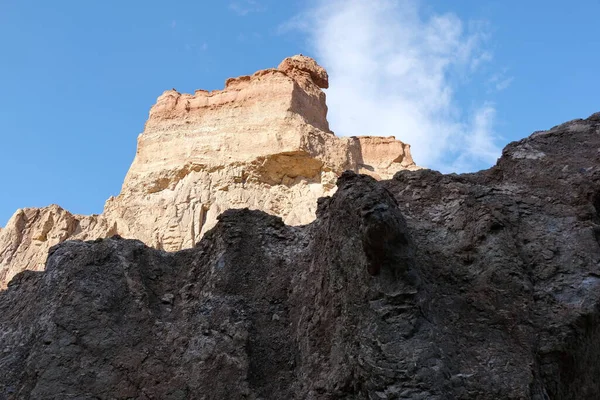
column 500, row 81
column 480, row 146
column 245, row 7
column 396, row 71
column 482, row 58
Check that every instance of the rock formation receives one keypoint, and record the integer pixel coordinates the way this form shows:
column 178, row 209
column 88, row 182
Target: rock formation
column 29, row 234
column 263, row 142
column 425, row 286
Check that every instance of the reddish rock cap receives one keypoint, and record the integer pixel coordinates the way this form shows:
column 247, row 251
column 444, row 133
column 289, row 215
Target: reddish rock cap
column 305, row 64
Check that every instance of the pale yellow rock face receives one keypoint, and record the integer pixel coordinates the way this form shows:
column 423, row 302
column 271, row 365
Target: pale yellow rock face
column 29, row 234
column 263, row 142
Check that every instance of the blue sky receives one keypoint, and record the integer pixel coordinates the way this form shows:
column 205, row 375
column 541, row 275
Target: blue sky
column 457, row 81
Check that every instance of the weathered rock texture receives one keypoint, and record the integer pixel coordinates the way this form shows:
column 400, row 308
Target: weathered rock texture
column 478, row 286
column 29, row 234
column 263, row 142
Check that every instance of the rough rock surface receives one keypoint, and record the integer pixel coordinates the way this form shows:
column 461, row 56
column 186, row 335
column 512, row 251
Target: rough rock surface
column 263, row 142
column 31, row 232
column 425, row 286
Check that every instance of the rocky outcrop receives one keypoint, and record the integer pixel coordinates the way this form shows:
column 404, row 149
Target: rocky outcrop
column 263, row 142
column 31, row 232
column 425, row 286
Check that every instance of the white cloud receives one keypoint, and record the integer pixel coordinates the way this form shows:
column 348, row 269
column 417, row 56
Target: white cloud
column 500, row 81
column 245, row 7
column 482, row 58
column 481, row 146
column 395, row 71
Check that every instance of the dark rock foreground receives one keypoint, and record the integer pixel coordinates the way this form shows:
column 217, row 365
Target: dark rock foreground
column 426, row 286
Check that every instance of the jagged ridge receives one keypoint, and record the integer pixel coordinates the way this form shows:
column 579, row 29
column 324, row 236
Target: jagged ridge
column 426, row 286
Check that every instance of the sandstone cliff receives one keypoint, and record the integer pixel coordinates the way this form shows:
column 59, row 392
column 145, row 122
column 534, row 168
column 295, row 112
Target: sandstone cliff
column 426, row 286
column 263, row 142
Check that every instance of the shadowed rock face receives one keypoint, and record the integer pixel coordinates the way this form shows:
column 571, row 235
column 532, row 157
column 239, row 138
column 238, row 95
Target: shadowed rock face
column 482, row 286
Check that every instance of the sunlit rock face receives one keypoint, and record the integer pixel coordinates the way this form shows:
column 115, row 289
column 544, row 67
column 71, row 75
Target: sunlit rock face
column 263, row 142
column 29, row 234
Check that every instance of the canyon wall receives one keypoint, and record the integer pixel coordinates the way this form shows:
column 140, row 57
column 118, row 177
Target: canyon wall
column 479, row 286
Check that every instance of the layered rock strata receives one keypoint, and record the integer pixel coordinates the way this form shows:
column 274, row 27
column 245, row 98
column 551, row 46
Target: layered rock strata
column 426, row 286
column 263, row 142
